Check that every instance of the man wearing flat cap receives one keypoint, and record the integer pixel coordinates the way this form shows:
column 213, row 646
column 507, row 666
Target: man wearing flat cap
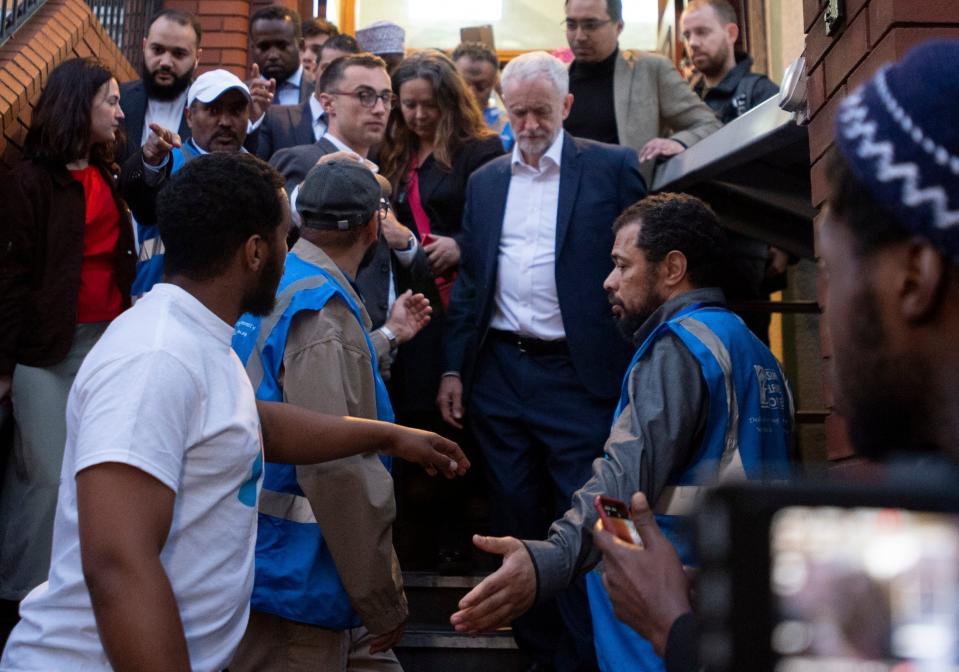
column 333, row 599
column 218, row 114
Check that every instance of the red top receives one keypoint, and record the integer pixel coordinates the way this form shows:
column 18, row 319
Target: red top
column 99, row 298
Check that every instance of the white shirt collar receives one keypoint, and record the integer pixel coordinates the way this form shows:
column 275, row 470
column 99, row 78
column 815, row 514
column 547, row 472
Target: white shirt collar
column 552, row 156
column 343, row 147
column 316, row 108
column 294, row 79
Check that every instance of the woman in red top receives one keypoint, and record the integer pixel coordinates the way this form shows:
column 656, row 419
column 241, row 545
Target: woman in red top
column 67, row 259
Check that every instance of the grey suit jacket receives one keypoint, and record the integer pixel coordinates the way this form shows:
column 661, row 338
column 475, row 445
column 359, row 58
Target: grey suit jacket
column 285, row 126
column 652, row 100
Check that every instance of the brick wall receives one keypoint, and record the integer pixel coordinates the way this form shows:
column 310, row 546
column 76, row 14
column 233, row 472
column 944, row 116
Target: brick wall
column 874, row 32
column 60, row 30
column 225, row 26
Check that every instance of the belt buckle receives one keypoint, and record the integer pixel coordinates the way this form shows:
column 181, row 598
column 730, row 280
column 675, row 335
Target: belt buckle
column 521, row 344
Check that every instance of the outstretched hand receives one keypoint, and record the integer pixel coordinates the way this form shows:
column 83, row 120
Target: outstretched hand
column 159, row 144
column 503, row 595
column 646, row 584
column 409, row 314
column 431, row 451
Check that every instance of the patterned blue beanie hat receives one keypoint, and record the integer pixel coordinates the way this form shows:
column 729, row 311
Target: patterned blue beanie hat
column 899, row 133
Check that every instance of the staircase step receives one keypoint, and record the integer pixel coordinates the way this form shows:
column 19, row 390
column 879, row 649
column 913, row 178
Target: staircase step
column 433, row 598
column 426, row 649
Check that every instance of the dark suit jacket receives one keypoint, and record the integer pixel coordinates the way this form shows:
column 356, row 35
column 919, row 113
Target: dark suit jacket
column 373, row 278
column 133, row 100
column 295, row 162
column 443, row 192
column 597, row 182
column 417, row 369
column 285, row 126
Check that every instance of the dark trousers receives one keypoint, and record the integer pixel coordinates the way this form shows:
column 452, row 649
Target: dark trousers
column 539, row 431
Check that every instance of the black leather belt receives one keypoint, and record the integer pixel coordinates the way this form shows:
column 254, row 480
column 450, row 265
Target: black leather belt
column 534, row 347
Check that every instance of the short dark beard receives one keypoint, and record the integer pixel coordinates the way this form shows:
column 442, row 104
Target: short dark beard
column 883, row 398
column 262, row 300
column 165, row 92
column 629, row 323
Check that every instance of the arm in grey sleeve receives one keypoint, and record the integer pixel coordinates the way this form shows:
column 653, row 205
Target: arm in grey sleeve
column 656, row 433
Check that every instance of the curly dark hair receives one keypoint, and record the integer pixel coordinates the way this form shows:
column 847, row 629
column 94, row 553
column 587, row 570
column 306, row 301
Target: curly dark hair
column 683, row 223
column 60, row 129
column 461, row 119
column 211, row 206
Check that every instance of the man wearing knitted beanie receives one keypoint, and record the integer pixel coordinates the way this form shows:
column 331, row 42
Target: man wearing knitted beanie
column 890, row 249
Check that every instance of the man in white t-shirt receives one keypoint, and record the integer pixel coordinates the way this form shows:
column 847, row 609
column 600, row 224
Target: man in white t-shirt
column 152, row 561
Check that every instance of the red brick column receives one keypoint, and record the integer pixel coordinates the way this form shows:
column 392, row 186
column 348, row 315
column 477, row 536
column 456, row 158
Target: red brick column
column 874, row 32
column 60, row 30
column 226, row 25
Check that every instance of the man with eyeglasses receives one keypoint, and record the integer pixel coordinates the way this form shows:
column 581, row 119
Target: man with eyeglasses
column 628, row 97
column 328, row 592
column 356, row 94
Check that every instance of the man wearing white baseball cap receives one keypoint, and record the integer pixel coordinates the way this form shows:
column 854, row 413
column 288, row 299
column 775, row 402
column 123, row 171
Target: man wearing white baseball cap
column 218, row 114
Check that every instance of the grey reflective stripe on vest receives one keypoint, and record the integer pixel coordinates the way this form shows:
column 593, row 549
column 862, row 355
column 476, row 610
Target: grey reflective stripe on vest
column 254, row 366
column 680, row 500
column 150, row 248
column 287, row 506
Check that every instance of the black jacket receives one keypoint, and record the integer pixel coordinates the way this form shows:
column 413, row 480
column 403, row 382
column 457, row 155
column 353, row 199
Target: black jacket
column 740, row 91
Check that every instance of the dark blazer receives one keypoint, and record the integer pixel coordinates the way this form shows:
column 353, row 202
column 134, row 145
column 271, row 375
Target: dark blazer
column 285, row 126
column 443, row 192
column 41, row 254
column 295, row 162
column 133, row 100
column 597, row 182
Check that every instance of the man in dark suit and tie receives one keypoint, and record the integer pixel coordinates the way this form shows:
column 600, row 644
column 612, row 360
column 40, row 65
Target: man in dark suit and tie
column 530, row 338
column 303, row 124
column 171, row 51
column 276, row 38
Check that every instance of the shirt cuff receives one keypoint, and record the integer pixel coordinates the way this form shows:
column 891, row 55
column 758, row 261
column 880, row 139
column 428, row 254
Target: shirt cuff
column 406, row 257
column 451, row 374
column 157, row 168
column 253, row 125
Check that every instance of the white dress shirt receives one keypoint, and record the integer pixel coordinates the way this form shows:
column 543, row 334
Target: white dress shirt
column 288, row 93
column 166, row 113
column 319, row 118
column 526, row 301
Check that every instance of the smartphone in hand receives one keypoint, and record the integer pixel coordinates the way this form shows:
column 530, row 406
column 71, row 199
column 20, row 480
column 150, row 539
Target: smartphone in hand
column 615, row 517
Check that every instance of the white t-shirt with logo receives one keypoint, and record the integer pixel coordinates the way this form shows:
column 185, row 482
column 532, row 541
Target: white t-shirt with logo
column 164, row 392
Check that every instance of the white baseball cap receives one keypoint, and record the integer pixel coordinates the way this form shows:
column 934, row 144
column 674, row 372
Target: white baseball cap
column 211, row 85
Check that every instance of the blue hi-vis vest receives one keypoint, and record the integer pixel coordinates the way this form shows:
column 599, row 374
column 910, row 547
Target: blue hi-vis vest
column 296, row 577
column 150, row 258
column 747, row 435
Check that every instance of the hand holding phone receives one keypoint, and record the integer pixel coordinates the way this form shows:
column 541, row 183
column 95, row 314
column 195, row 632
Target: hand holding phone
column 616, row 520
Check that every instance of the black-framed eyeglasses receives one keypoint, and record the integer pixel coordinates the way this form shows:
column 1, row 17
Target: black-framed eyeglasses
column 368, row 97
column 587, row 25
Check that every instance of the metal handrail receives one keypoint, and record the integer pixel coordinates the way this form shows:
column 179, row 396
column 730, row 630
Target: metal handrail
column 126, row 23
column 15, row 13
